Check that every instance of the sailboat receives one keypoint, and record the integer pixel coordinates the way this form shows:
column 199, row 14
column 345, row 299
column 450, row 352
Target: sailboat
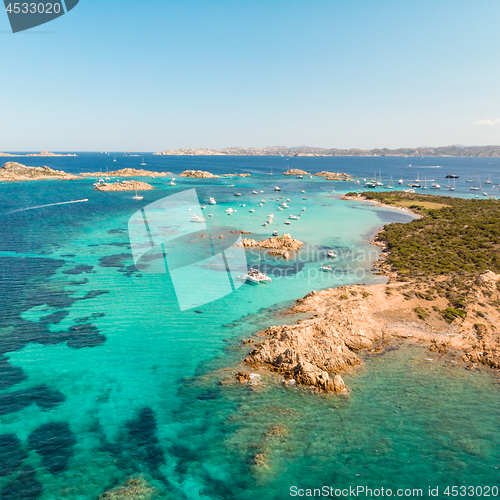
column 489, row 180
column 452, row 188
column 143, row 162
column 390, row 185
column 271, row 172
column 172, row 183
column 401, row 178
column 138, row 197
column 425, row 183
column 481, row 187
column 114, row 159
column 379, row 182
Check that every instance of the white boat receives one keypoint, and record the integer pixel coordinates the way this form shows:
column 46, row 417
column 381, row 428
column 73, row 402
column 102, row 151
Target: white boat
column 212, row 201
column 400, row 182
column 327, row 268
column 271, row 215
column 252, row 210
column 390, row 185
column 143, row 162
column 138, row 197
column 304, row 198
column 300, row 177
column 434, row 185
column 172, row 183
column 293, row 217
column 303, row 191
column 284, row 205
column 469, row 180
column 332, row 254
column 254, row 192
column 489, row 180
column 237, row 194
column 229, row 211
column 275, row 233
column 262, row 201
column 303, row 209
column 114, row 160
column 197, row 218
column 255, row 276
column 287, row 222
column 276, row 188
column 203, row 207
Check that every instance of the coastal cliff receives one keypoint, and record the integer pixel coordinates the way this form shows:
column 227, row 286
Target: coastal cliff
column 12, row 171
column 124, row 186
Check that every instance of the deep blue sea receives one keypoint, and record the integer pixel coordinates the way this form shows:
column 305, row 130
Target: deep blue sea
column 104, row 377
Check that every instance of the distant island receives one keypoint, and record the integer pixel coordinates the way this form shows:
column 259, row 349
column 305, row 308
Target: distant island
column 487, row 151
column 12, row 172
column 42, row 153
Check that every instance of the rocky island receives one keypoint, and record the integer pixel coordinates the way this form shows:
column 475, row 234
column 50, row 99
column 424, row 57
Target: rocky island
column 127, row 172
column 334, row 176
column 198, row 174
column 12, row 171
column 124, row 186
column 443, row 294
column 42, row 153
column 278, row 245
column 296, row 171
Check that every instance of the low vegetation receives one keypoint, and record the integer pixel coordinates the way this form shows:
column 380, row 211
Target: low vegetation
column 454, row 236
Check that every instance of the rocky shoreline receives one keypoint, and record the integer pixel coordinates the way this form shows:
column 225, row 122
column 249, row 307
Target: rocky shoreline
column 351, row 320
column 13, row 172
column 124, row 186
column 453, row 316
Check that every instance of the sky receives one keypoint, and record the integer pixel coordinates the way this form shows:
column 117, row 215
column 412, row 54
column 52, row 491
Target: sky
column 149, row 75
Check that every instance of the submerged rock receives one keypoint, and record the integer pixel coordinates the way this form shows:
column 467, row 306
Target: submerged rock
column 136, row 488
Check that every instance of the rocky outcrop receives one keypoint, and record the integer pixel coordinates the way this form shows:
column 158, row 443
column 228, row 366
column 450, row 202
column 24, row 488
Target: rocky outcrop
column 296, row 171
column 198, row 174
column 136, row 488
column 279, row 245
column 334, row 176
column 12, row 171
column 127, row 172
column 354, row 318
column 124, row 186
column 313, row 350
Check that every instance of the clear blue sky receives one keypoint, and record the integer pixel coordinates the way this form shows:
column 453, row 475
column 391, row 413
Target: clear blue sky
column 148, row 75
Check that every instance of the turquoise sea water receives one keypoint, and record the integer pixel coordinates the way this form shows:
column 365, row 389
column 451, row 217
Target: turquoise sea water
column 103, row 377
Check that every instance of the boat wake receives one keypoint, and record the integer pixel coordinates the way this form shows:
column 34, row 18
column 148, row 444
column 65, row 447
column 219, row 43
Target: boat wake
column 44, row 206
